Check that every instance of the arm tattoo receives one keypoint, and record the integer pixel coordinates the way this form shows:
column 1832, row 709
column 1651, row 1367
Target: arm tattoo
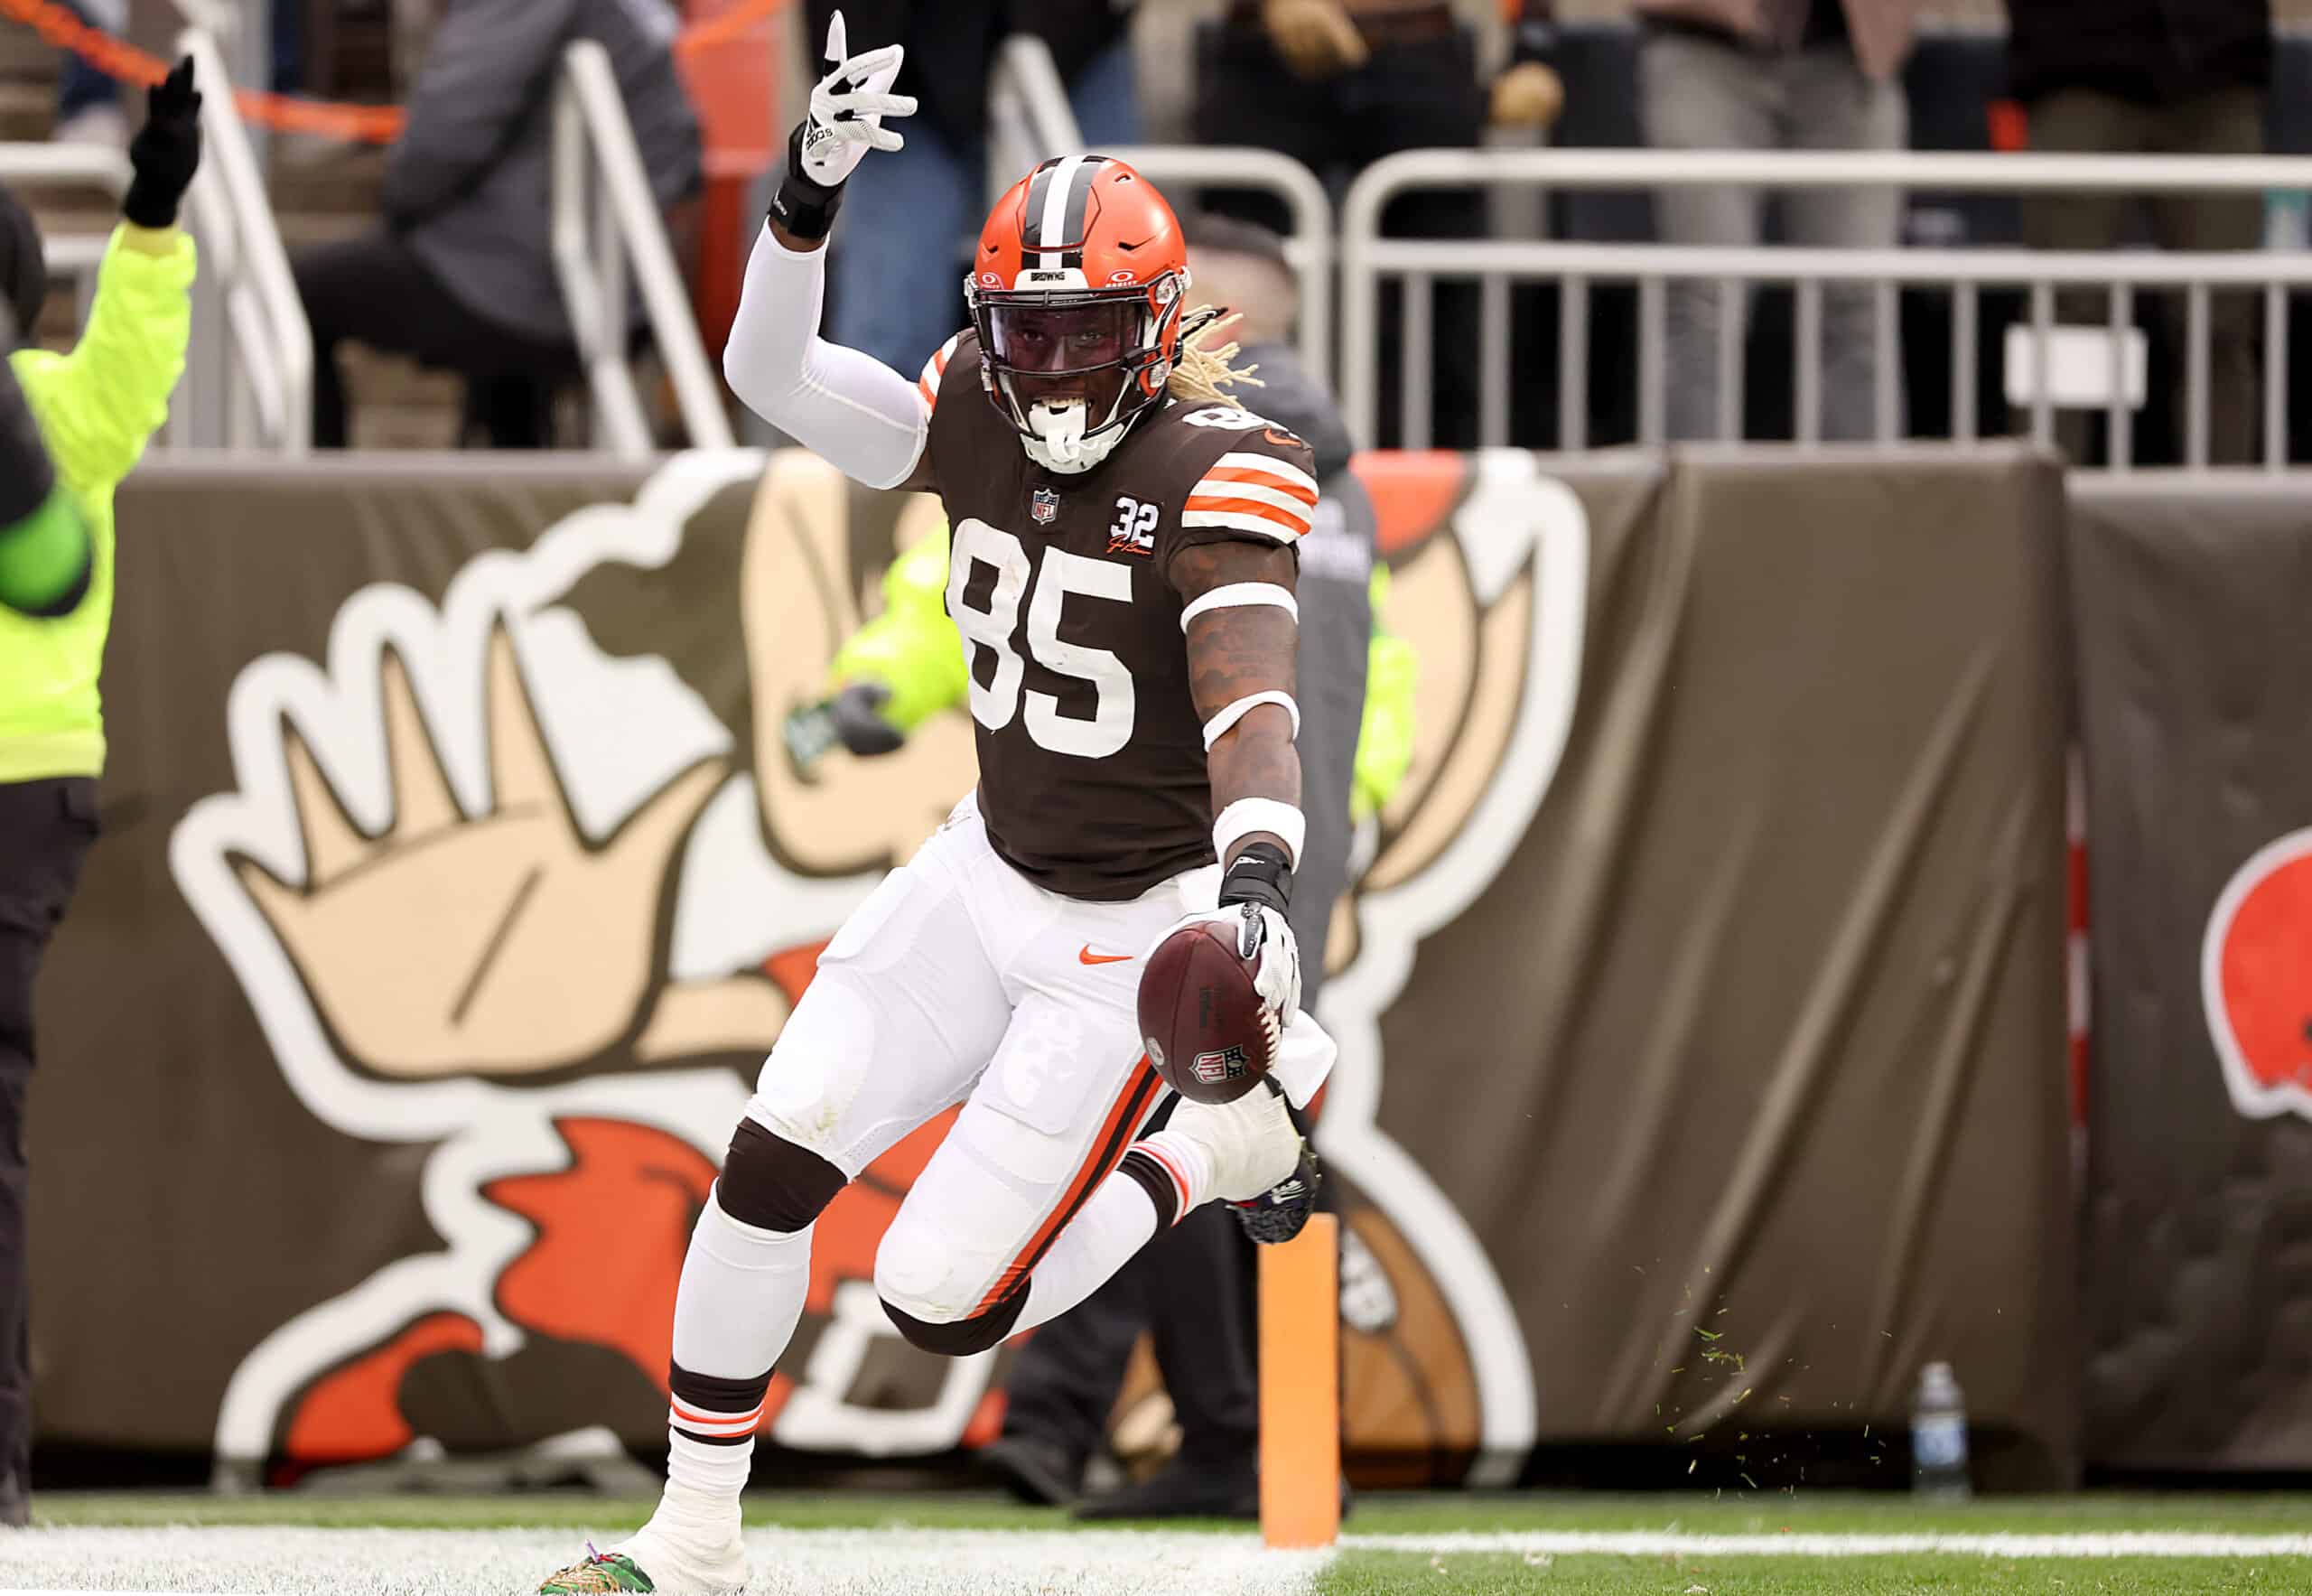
column 1235, row 653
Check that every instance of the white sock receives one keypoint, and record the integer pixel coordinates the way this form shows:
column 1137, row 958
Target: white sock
column 742, row 1294
column 1186, row 1160
column 699, row 1510
column 1120, row 1220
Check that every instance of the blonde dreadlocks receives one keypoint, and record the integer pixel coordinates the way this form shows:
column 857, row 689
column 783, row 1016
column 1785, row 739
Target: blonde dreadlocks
column 1203, row 372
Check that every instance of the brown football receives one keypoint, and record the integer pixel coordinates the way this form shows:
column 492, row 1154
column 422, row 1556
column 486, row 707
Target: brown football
column 1201, row 1018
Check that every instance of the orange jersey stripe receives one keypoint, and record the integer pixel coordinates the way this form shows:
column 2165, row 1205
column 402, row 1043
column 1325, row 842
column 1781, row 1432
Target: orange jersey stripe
column 1285, row 519
column 1131, row 1105
column 934, row 369
column 1238, row 473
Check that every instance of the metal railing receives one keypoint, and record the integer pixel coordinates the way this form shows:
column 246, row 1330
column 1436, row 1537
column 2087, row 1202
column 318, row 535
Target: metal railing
column 1308, row 247
column 600, row 229
column 1367, row 259
column 1030, row 120
column 249, row 369
column 1028, row 117
column 70, row 256
column 249, row 374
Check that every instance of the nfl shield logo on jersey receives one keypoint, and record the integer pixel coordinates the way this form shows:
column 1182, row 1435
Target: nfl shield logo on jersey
column 1044, row 507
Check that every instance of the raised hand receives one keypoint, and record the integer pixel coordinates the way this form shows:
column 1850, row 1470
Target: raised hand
column 847, row 110
column 502, row 944
column 848, row 106
column 166, row 151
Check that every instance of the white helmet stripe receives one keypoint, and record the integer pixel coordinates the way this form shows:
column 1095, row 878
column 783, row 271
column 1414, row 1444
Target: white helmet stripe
column 1051, row 227
column 1076, row 226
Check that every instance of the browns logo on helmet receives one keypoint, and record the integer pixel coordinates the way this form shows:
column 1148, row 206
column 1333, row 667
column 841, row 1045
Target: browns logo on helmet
column 1078, row 293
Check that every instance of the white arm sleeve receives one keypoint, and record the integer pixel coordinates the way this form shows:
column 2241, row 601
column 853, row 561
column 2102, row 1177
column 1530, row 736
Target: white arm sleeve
column 853, row 411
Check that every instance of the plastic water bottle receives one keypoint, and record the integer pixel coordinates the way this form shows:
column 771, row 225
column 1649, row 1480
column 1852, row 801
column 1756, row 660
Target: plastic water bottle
column 1939, row 1436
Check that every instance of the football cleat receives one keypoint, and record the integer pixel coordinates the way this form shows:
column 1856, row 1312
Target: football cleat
column 625, row 1567
column 596, row 1572
column 1278, row 1213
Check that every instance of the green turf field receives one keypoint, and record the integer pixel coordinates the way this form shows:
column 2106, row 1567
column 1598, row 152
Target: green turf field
column 1435, row 1544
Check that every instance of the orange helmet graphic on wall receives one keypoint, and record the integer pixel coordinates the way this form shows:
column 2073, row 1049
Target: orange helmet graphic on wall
column 1078, row 292
column 2256, row 980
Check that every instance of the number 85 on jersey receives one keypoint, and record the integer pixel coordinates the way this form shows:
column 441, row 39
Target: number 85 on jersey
column 1063, row 576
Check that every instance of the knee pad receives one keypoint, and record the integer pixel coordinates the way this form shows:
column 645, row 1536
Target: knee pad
column 772, row 1184
column 963, row 1336
column 932, row 1289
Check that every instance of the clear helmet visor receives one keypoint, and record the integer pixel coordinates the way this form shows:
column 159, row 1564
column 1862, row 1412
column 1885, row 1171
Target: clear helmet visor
column 1052, row 354
column 1062, row 338
column 1073, row 366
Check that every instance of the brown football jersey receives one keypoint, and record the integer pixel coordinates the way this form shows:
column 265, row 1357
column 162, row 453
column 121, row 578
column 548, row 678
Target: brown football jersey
column 1092, row 777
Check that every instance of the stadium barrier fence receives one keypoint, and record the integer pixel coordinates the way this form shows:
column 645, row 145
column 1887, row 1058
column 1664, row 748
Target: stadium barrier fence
column 1368, row 259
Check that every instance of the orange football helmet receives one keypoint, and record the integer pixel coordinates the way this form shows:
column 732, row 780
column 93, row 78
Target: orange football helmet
column 1077, row 291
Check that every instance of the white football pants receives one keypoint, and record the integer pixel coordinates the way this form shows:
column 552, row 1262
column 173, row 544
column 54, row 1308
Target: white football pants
column 959, row 980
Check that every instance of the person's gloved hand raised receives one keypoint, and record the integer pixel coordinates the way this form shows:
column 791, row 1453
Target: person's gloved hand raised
column 166, row 151
column 848, row 108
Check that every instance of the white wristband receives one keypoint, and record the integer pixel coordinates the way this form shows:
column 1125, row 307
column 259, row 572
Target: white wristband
column 1221, row 724
column 1242, row 818
column 1232, row 595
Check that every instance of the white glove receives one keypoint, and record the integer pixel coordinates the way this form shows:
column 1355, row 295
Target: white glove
column 1261, row 930
column 848, row 106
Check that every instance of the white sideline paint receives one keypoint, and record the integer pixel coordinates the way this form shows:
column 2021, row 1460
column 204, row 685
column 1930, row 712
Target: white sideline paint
column 195, row 1561
column 200, row 1562
column 1656, row 1543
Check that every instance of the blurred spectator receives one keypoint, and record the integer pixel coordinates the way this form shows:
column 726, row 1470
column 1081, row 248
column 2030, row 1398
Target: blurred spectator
column 461, row 275
column 898, row 265
column 48, row 560
column 96, row 408
column 1337, row 84
column 1763, row 75
column 88, row 103
column 2152, row 77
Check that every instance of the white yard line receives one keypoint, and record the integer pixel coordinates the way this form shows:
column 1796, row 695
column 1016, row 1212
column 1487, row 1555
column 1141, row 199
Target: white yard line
column 197, row 1562
column 1658, row 1544
column 192, row 1562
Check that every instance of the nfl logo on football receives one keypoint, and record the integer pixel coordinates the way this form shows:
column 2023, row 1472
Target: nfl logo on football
column 1044, row 507
column 1212, row 1068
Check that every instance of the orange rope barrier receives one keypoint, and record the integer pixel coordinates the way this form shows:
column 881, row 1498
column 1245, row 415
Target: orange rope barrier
column 376, row 125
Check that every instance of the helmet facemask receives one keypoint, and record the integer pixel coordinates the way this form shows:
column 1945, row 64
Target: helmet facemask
column 1072, row 366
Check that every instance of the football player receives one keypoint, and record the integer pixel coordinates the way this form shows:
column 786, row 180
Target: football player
column 1122, row 567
